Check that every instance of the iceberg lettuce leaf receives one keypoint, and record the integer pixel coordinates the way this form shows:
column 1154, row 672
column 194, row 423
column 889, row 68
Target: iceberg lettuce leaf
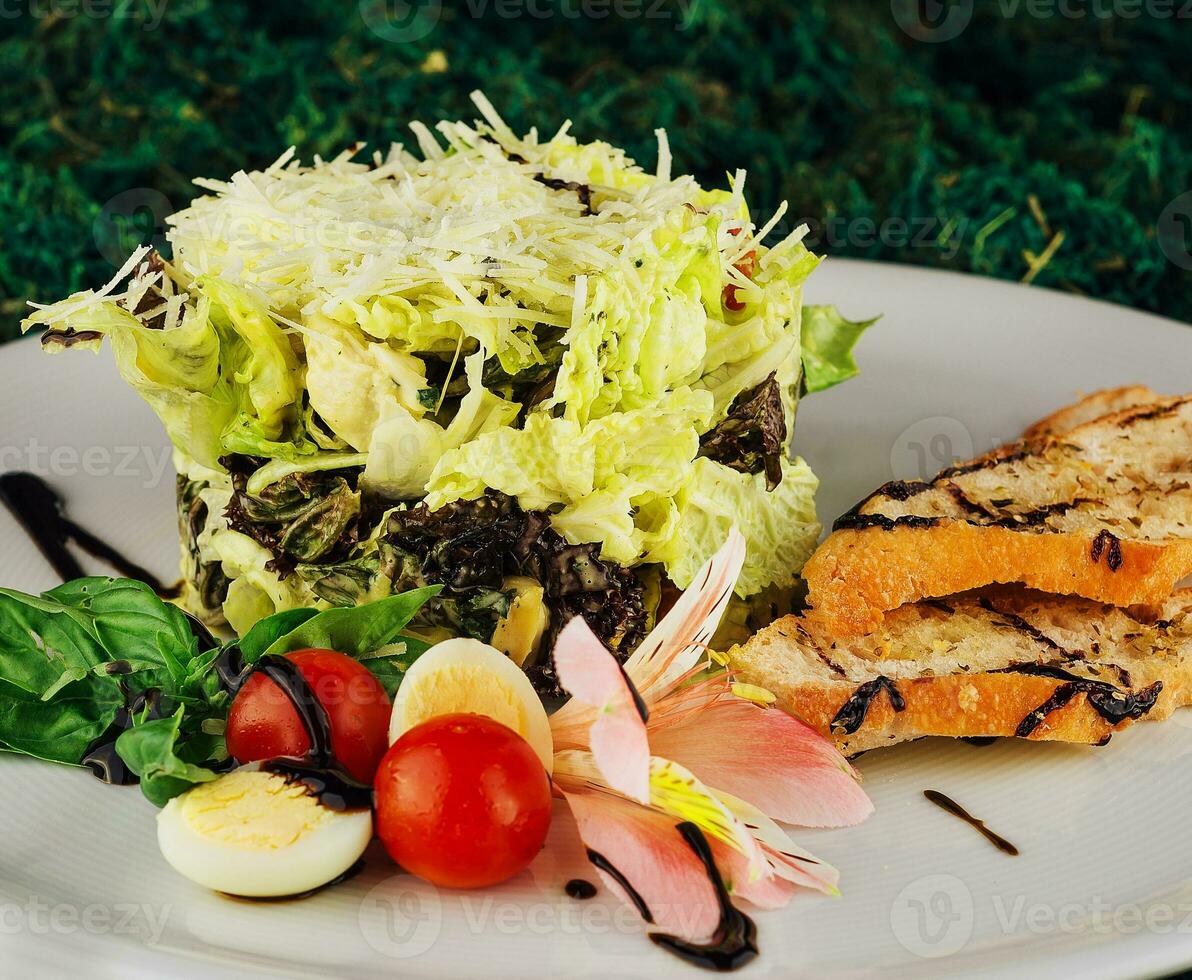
column 612, row 476
column 779, row 526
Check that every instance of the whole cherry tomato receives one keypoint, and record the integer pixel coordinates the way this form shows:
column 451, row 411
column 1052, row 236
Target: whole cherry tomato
column 462, row 801
column 264, row 724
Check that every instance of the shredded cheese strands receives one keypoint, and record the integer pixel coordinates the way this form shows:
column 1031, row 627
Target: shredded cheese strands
column 485, row 230
column 472, row 219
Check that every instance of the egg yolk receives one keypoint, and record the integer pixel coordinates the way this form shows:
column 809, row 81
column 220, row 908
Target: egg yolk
column 456, row 688
column 252, row 809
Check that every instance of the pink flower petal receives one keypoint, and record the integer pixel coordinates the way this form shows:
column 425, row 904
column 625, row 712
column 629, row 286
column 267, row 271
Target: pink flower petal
column 768, row 892
column 761, row 755
column 617, row 736
column 644, row 847
column 676, row 643
column 785, row 859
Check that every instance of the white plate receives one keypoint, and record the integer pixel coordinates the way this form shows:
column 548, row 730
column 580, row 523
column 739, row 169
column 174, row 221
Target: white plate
column 957, row 365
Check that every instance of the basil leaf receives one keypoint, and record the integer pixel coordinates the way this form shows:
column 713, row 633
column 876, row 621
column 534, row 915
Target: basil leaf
column 354, row 630
column 390, row 663
column 53, row 702
column 73, row 657
column 60, row 730
column 269, row 630
column 126, row 620
column 151, row 750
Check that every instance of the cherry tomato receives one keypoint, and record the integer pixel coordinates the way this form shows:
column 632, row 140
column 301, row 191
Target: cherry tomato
column 264, row 724
column 462, row 801
column 747, row 266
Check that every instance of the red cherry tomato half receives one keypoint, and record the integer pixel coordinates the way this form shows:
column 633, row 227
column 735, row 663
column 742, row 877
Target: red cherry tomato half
column 462, row 801
column 264, row 724
column 747, row 266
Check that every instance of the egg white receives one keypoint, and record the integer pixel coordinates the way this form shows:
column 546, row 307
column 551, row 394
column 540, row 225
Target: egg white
column 313, row 858
column 494, row 683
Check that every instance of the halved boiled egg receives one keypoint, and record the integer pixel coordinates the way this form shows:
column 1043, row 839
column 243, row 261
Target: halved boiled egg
column 464, row 675
column 260, row 835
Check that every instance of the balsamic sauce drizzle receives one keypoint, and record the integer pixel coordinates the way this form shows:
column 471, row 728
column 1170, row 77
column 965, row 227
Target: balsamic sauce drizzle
column 100, row 756
column 331, row 786
column 580, row 889
column 318, row 772
column 1111, row 703
column 229, row 666
column 954, row 808
column 39, row 511
column 638, row 701
column 286, row 675
column 851, row 715
column 610, row 869
column 735, row 941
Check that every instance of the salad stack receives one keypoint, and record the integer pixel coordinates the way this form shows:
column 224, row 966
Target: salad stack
column 523, row 370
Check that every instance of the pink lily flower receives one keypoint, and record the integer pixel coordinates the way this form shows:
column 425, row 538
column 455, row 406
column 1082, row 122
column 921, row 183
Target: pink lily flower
column 668, row 738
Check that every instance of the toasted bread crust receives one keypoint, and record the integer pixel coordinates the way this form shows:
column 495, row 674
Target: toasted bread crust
column 1090, row 408
column 1102, row 511
column 857, row 576
column 941, row 706
column 1012, row 663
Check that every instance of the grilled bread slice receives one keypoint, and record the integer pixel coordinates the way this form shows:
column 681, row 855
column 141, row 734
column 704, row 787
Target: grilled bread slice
column 1090, row 408
column 1002, row 661
column 1102, row 511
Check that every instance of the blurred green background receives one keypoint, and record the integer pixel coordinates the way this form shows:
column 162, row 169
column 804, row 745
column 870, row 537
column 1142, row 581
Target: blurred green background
column 989, row 137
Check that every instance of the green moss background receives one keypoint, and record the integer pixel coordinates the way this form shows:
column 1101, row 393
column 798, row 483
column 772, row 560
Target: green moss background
column 1047, row 148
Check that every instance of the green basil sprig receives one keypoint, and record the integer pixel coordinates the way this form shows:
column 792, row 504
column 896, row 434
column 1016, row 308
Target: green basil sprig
column 74, row 659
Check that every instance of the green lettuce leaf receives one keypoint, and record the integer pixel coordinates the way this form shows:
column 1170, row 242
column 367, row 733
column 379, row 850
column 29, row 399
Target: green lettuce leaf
column 404, row 449
column 644, row 329
column 223, row 379
column 177, row 372
column 828, row 342
column 611, row 476
column 779, row 526
column 256, row 355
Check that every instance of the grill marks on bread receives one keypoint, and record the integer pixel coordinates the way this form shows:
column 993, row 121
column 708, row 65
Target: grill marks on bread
column 1103, row 510
column 995, row 662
